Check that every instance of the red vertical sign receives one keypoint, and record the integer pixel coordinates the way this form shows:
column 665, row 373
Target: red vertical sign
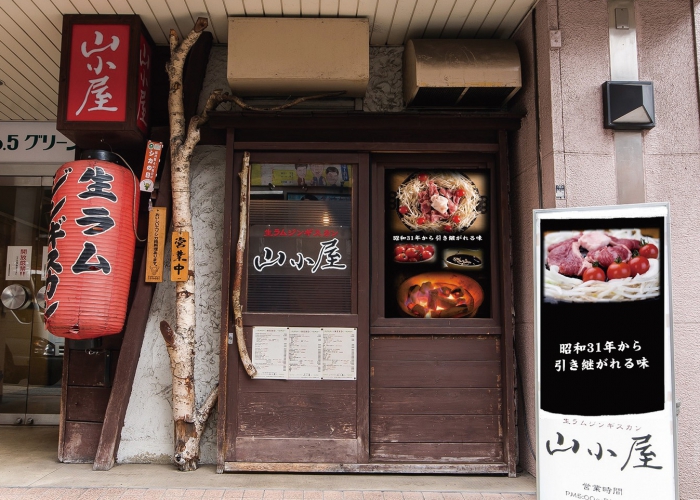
column 97, row 88
column 144, row 92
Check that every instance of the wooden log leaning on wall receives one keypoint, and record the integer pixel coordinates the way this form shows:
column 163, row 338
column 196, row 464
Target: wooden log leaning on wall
column 131, row 350
column 138, row 316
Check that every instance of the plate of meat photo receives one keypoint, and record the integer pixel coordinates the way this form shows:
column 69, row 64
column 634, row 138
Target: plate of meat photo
column 437, row 202
column 601, row 265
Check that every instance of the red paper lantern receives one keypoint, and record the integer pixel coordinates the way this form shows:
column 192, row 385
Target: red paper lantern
column 91, row 247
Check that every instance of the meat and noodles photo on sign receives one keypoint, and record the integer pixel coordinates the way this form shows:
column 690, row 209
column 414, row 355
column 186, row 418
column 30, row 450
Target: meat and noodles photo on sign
column 437, row 244
column 604, row 352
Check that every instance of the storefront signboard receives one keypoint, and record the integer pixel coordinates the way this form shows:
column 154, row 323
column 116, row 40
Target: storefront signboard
column 34, row 142
column 98, row 73
column 437, row 244
column 305, row 353
column 300, row 250
column 144, row 85
column 179, row 256
column 104, row 90
column 606, row 421
column 150, row 166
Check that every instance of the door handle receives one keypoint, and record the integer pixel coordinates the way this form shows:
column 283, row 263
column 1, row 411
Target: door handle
column 15, row 297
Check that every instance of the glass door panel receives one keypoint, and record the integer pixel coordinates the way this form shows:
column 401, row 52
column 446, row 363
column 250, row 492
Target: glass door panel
column 31, row 359
column 300, row 253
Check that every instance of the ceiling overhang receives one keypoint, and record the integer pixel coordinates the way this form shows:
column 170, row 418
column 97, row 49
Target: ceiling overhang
column 30, row 31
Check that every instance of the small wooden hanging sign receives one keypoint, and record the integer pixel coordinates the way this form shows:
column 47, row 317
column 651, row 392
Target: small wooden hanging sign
column 155, row 245
column 180, row 256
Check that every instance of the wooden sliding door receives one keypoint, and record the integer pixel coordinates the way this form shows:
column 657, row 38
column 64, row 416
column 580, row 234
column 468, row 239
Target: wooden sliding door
column 306, row 315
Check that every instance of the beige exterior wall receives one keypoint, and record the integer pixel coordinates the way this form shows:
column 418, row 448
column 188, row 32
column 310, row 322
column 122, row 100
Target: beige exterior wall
column 672, row 173
column 576, row 151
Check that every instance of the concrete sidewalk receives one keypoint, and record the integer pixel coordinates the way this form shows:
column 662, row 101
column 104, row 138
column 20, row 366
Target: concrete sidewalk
column 29, row 469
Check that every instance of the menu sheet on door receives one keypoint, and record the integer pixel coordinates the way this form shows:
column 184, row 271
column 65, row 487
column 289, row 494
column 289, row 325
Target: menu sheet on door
column 305, row 353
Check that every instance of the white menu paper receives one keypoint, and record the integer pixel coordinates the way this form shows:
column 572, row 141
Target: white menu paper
column 270, row 346
column 340, row 353
column 305, row 353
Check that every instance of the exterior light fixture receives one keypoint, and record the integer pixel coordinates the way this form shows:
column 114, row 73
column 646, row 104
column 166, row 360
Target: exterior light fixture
column 628, row 105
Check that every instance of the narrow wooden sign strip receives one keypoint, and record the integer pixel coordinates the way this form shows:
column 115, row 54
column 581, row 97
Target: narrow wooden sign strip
column 180, row 256
column 154, row 248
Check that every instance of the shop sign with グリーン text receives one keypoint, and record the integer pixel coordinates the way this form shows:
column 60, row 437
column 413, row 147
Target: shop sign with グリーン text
column 34, row 142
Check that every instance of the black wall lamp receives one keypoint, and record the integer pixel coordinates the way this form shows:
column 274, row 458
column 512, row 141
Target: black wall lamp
column 628, row 105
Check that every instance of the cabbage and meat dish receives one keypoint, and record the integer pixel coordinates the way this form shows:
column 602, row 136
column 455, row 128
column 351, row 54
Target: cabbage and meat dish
column 572, row 258
column 438, row 202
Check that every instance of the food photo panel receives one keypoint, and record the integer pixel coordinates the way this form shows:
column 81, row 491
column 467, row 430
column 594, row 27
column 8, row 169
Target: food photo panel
column 599, row 265
column 437, row 244
column 602, row 319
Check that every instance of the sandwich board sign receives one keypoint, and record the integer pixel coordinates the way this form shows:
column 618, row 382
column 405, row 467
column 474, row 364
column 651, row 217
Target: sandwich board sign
column 606, row 419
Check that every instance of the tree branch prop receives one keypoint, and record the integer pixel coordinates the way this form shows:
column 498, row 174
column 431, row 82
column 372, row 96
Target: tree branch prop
column 189, row 422
column 226, row 97
column 206, row 408
column 238, row 279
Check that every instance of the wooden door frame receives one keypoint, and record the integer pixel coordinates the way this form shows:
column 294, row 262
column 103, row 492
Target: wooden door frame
column 359, row 308
column 366, row 133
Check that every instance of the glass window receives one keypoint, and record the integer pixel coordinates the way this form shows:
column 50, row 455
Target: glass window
column 300, row 238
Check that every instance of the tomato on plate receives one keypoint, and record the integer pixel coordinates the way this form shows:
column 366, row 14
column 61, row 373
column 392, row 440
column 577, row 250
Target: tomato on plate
column 594, row 274
column 618, row 270
column 447, row 228
column 649, row 250
column 456, row 219
column 403, row 209
column 420, row 221
column 422, row 177
column 460, row 192
column 408, row 252
column 639, row 265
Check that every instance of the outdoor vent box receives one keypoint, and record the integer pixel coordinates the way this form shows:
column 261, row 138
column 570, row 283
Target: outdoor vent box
column 296, row 57
column 460, row 73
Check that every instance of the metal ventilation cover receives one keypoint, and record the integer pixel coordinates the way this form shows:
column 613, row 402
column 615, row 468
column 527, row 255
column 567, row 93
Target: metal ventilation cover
column 460, row 73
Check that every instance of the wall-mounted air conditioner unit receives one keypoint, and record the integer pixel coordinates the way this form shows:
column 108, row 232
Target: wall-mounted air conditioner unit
column 298, row 56
column 460, row 73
